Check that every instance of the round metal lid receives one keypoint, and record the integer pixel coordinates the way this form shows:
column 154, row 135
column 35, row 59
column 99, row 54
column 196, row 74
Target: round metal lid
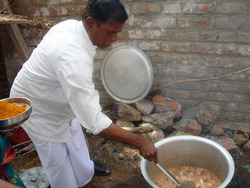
column 127, row 74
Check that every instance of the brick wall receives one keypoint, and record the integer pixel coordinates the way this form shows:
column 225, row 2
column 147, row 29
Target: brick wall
column 184, row 40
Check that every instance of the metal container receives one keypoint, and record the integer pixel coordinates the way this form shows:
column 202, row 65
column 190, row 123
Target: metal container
column 13, row 121
column 127, row 74
column 194, row 151
column 35, row 178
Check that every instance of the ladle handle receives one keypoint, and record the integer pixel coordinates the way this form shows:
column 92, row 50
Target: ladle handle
column 169, row 175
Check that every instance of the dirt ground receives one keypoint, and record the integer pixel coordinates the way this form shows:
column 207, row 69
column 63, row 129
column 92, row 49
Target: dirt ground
column 241, row 178
column 125, row 163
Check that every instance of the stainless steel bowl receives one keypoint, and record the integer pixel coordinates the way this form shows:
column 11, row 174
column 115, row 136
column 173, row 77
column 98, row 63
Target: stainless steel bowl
column 193, row 151
column 7, row 123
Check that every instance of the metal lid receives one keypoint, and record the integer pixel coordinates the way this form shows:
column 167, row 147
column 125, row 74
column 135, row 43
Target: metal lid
column 127, row 74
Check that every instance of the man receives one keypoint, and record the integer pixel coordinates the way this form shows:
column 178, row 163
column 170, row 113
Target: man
column 58, row 79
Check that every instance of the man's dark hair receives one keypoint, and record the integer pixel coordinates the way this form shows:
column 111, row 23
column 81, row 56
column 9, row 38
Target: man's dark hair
column 104, row 10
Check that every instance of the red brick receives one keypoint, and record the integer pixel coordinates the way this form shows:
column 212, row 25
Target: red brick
column 154, row 34
column 246, row 147
column 228, row 144
column 172, row 105
column 144, row 8
column 238, row 49
column 176, row 47
column 7, row 46
column 23, row 2
column 244, row 37
column 159, row 101
column 134, row 34
column 184, row 22
column 153, row 45
column 52, row 2
column 201, row 22
column 231, row 7
column 38, row 3
column 41, row 11
column 193, row 129
column 217, row 130
column 19, row 11
column 206, row 9
column 80, row 9
column 228, row 36
column 209, row 36
column 63, row 11
column 178, row 36
column 197, row 8
column 162, row 103
column 179, row 111
column 205, row 48
column 145, row 21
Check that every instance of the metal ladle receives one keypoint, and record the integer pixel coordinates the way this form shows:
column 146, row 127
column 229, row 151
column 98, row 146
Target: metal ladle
column 183, row 184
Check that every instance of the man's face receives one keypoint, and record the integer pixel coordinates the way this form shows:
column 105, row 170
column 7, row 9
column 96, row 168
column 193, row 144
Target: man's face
column 104, row 34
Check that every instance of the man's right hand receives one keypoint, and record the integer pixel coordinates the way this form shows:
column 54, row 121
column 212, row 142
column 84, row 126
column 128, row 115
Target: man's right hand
column 149, row 151
column 146, row 148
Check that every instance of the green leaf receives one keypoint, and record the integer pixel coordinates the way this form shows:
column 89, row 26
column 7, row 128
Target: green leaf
column 248, row 167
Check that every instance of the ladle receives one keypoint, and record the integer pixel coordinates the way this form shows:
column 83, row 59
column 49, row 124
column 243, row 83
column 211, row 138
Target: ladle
column 183, row 184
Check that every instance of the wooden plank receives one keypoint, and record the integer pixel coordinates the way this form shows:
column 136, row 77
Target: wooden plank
column 18, row 19
column 15, row 34
column 18, row 41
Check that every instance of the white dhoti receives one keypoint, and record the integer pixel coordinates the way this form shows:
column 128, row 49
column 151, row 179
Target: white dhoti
column 67, row 165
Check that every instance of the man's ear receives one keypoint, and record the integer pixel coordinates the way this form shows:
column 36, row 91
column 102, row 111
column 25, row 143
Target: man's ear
column 90, row 22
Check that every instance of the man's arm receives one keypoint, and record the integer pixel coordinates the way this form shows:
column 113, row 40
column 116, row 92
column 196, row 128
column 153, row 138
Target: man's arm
column 146, row 148
column 5, row 184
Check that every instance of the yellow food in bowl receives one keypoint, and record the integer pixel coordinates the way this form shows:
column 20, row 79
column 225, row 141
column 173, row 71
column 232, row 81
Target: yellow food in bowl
column 8, row 110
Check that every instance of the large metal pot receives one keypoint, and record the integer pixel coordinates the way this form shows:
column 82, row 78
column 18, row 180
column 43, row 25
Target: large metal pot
column 191, row 150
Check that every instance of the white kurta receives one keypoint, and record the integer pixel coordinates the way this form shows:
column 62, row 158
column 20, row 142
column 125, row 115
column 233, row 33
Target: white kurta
column 57, row 78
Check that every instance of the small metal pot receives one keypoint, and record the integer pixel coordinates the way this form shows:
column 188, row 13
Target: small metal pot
column 13, row 121
column 194, row 151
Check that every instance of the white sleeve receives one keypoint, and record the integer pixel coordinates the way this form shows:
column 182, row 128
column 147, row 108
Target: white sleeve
column 75, row 76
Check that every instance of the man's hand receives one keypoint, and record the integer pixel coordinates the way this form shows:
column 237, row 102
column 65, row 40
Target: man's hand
column 149, row 151
column 146, row 148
